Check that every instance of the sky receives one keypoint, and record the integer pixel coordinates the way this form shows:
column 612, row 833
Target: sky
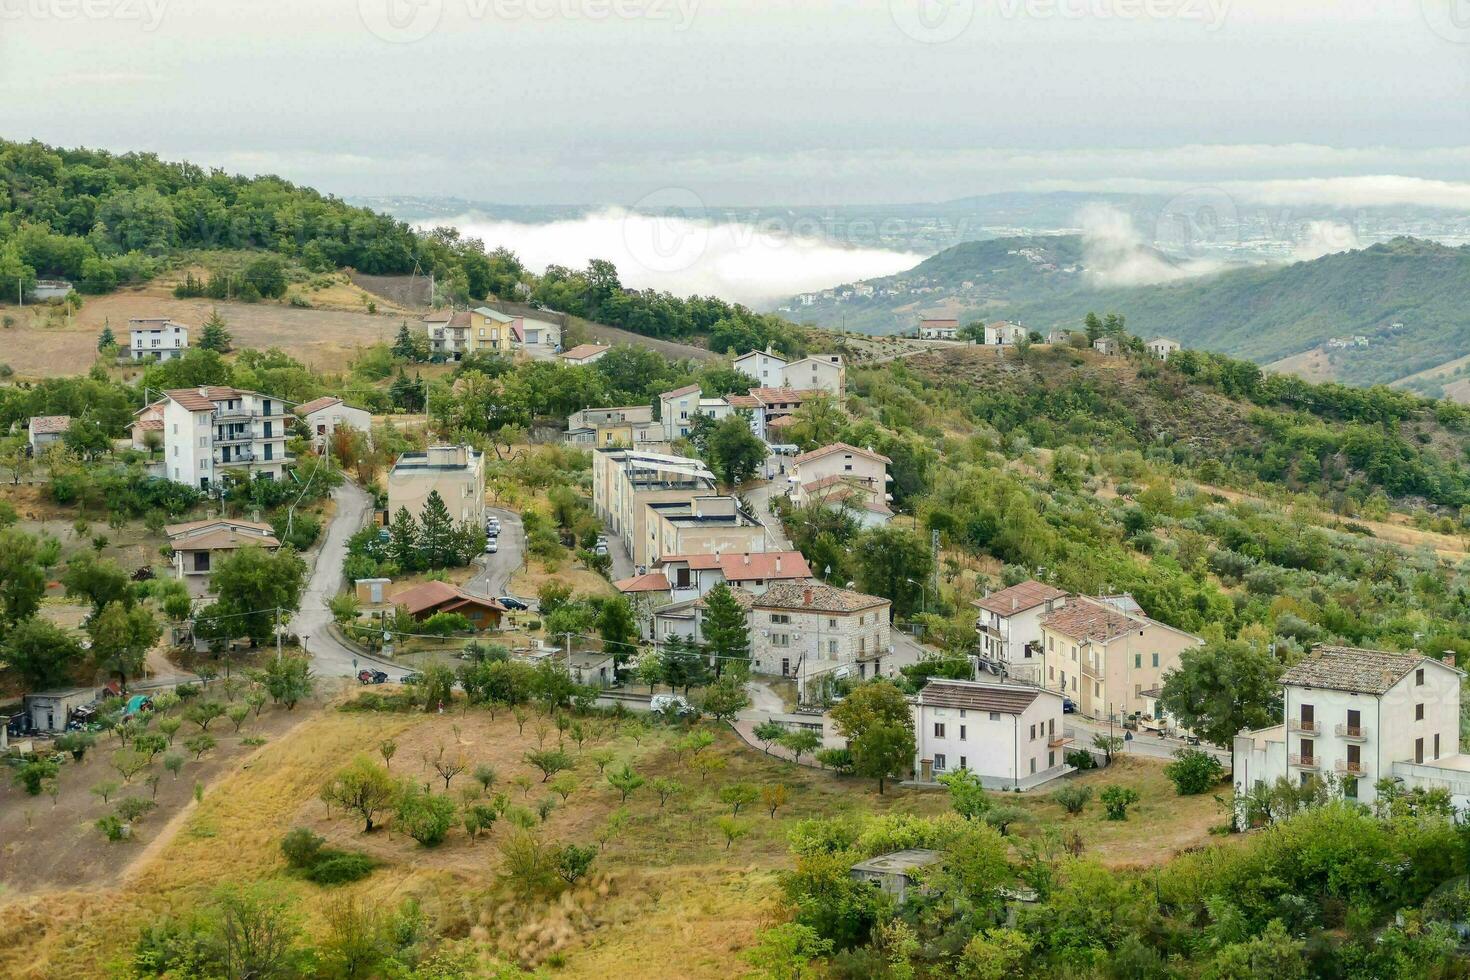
column 760, row 102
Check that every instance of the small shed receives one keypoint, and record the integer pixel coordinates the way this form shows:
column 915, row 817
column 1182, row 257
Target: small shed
column 1107, row 345
column 894, row 872
column 370, row 590
column 49, row 711
column 593, row 668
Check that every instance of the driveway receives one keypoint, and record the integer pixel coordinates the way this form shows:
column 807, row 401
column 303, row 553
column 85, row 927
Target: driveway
column 494, row 571
column 329, row 657
column 760, row 499
column 1082, row 731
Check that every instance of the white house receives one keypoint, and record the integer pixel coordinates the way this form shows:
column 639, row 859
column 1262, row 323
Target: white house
column 766, row 368
column 157, row 337
column 822, row 372
column 324, row 416
column 1009, row 627
column 1007, row 734
column 939, row 329
column 46, row 431
column 214, row 429
column 676, row 409
column 1004, row 333
column 1361, row 716
column 842, row 475
column 198, row 546
column 1162, row 347
column 584, row 354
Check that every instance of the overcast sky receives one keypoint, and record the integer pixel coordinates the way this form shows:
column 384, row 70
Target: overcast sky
column 760, row 101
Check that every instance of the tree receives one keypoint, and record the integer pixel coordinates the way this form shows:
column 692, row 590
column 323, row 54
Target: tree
column 726, row 634
column 625, row 781
column 767, row 732
column 1108, row 744
column 818, row 422
column 774, row 796
column 426, row 817
column 995, row 954
column 99, row 581
column 733, row 829
column 257, row 933
column 33, row 775
column 204, row 714
column 252, row 584
column 800, row 741
column 1073, row 797
column 1001, row 817
column 878, row 702
column 361, row 788
column 42, row 653
column 1222, row 688
column 121, row 638
column 406, row 345
column 403, row 541
column 23, row 563
column 788, row 951
column 214, row 336
column 1116, row 800
column 549, row 761
column 882, row 752
column 618, row 627
column 890, row 560
column 666, row 787
column 733, row 452
column 573, row 862
column 199, row 744
column 1194, row 771
column 436, row 532
column 966, row 794
column 726, row 697
column 737, row 795
column 289, row 680
column 105, row 340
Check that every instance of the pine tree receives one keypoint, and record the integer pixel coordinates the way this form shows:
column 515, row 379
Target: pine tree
column 436, row 532
column 403, row 541
column 404, row 346
column 106, row 340
column 214, row 336
column 726, row 635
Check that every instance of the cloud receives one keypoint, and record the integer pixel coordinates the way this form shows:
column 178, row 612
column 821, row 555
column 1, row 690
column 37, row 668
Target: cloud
column 1114, row 253
column 736, row 261
column 1319, row 238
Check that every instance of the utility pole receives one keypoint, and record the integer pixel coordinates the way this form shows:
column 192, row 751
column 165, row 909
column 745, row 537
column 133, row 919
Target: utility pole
column 278, row 634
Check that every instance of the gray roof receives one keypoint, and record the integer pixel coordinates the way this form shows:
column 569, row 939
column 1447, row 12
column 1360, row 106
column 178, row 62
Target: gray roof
column 899, row 862
column 975, row 696
column 1355, row 669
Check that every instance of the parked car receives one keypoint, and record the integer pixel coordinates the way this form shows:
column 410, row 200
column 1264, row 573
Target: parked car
column 136, row 704
column 511, row 602
column 366, row 676
column 665, row 703
column 601, row 548
column 412, row 677
column 1069, row 706
column 492, row 546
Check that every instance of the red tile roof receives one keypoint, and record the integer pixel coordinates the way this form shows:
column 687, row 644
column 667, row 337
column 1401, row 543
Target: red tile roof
column 583, row 351
column 652, row 582
column 745, row 567
column 433, row 595
column 1091, row 621
column 317, row 404
column 680, row 392
column 697, row 562
column 50, row 424
column 438, row 316
column 742, row 401
column 840, row 447
column 1003, row 698
column 1019, row 597
column 767, row 396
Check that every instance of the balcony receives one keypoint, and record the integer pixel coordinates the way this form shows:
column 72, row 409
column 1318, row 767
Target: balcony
column 1307, row 727
column 1304, row 761
column 223, row 437
column 237, row 459
column 1344, row 767
column 1353, row 733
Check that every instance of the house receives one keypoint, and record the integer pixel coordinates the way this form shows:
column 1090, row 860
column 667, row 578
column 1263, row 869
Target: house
column 897, row 871
column 536, row 336
column 457, row 473
column 809, row 629
column 148, row 419
column 46, row 431
column 686, row 619
column 1058, row 338
column 198, row 546
column 1162, row 347
column 1108, row 346
column 591, row 668
column 584, row 354
column 491, row 330
column 1009, row 627
column 627, row 425
column 691, row 576
column 49, row 711
column 1362, row 716
column 591, row 418
column 214, row 429
column 766, row 368
column 840, row 474
column 939, row 329
column 157, row 337
column 701, row 524
column 449, row 334
column 1104, row 658
column 1004, row 333
column 432, row 598
column 625, row 481
column 775, row 403
column 1003, row 733
column 324, row 416
column 823, row 372
column 676, row 409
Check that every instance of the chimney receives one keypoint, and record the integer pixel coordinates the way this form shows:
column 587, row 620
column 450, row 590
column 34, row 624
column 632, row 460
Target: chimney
column 1015, row 603
column 778, row 564
column 1448, row 658
column 806, row 597
column 746, row 556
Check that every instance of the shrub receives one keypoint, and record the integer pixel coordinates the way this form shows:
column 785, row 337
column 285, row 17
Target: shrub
column 1081, row 759
column 340, row 868
column 111, row 827
column 1073, row 797
column 426, row 817
column 1194, row 771
column 302, row 847
column 1116, row 800
column 838, row 760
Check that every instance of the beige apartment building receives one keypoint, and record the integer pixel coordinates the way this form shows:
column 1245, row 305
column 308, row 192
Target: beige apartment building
column 704, row 525
column 1104, row 659
column 625, row 481
column 457, row 472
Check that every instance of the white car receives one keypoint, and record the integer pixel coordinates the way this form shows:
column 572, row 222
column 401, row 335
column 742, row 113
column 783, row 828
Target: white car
column 664, row 703
column 491, row 546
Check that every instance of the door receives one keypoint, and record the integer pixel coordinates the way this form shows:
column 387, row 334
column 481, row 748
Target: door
column 1355, row 759
column 1354, row 722
column 1419, row 750
column 1309, row 718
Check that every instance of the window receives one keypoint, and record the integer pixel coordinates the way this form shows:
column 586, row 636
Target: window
column 779, row 619
column 1419, row 711
column 1419, row 677
column 1156, row 660
column 832, row 623
column 1436, row 745
column 995, row 716
column 1051, row 673
column 1051, row 643
column 1419, row 750
column 963, row 762
column 1138, row 660
column 939, row 729
column 1051, row 760
column 1074, row 685
column 938, row 761
column 962, row 733
column 785, row 666
column 1033, row 765
column 832, row 647
column 1033, row 733
column 1074, row 653
column 780, row 639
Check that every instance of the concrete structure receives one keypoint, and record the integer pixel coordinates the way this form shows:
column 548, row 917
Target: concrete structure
column 584, row 354
column 198, row 546
column 1004, row 333
column 213, row 430
column 431, row 598
column 1009, row 627
column 46, row 431
column 1059, row 337
column 1162, row 347
column 456, row 472
column 157, row 337
column 705, row 524
column 1104, row 658
column 625, row 481
column 1003, row 733
column 1108, row 346
column 939, row 329
column 840, row 474
column 691, row 576
column 897, row 871
column 147, row 419
column 766, row 368
column 807, row 629
column 676, row 410
column 591, row 667
column 821, row 372
column 371, row 591
column 49, row 711
column 1358, row 716
column 591, row 418
column 324, row 416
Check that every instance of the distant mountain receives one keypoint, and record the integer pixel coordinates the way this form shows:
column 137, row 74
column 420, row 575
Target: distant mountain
column 1375, row 315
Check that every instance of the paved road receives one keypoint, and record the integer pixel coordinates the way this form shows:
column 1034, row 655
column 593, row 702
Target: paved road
column 329, row 657
column 1082, row 730
column 760, row 501
column 495, row 570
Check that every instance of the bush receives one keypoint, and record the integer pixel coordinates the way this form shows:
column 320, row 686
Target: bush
column 1081, row 759
column 1073, row 797
column 838, row 760
column 1116, row 800
column 426, row 817
column 301, row 847
column 1194, row 771
column 340, row 868
column 111, row 827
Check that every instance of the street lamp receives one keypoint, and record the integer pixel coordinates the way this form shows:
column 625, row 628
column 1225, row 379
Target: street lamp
column 923, row 595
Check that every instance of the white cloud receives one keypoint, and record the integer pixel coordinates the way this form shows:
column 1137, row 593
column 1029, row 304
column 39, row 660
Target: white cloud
column 1319, row 238
column 1114, row 253
column 733, row 260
